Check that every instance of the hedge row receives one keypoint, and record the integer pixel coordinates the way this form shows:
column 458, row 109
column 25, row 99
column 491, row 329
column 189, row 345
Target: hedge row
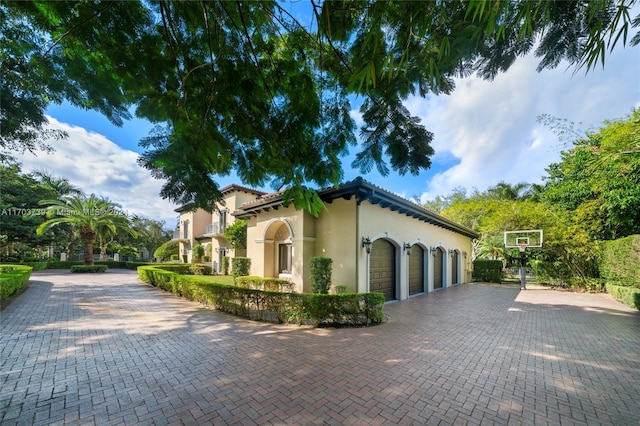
column 354, row 309
column 265, row 284
column 625, row 294
column 487, row 270
column 12, row 279
column 88, row 268
column 619, row 261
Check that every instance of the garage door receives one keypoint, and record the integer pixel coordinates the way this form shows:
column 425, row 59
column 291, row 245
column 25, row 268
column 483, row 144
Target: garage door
column 437, row 269
column 454, row 267
column 416, row 270
column 382, row 269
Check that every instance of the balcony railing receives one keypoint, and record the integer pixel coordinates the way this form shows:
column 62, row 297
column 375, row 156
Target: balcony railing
column 215, row 228
column 180, row 235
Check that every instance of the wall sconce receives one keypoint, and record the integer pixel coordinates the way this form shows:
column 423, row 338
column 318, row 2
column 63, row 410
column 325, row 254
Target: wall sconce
column 366, row 243
column 434, row 250
column 452, row 252
column 407, row 248
column 464, row 253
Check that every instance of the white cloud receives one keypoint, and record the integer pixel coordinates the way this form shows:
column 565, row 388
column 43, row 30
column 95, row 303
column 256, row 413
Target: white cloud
column 97, row 165
column 491, row 127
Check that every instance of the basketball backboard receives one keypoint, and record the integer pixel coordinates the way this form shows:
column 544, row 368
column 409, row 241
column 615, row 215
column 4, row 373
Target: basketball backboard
column 517, row 239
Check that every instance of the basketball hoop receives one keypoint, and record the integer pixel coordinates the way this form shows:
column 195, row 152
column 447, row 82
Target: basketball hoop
column 522, row 247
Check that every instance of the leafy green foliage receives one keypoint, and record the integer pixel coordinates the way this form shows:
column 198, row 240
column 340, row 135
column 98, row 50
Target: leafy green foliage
column 90, row 216
column 236, row 234
column 12, row 279
column 620, row 260
column 319, row 309
column 487, row 270
column 599, row 180
column 197, row 252
column 627, row 295
column 320, row 268
column 89, row 268
column 244, row 87
column 166, row 250
column 240, row 267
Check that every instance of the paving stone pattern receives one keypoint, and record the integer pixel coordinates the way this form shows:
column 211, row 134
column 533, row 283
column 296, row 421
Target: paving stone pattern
column 105, row 349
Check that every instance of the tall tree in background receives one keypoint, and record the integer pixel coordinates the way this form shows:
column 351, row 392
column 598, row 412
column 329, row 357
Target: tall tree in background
column 599, row 179
column 245, row 87
column 19, row 210
column 89, row 216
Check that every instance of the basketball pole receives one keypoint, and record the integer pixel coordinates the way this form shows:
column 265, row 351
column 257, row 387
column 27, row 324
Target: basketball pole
column 523, row 267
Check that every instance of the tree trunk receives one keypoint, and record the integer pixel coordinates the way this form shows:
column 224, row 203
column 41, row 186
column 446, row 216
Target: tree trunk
column 88, row 236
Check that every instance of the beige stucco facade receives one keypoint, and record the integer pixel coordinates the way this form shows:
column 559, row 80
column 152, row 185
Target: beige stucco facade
column 199, row 226
column 356, row 216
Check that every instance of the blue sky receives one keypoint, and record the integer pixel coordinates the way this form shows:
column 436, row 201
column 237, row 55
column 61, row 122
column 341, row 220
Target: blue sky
column 485, row 132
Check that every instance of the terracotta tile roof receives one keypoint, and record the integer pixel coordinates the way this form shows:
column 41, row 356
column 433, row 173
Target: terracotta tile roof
column 362, row 191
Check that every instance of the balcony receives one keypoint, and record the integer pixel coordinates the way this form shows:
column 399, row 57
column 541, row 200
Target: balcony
column 215, row 229
column 179, row 235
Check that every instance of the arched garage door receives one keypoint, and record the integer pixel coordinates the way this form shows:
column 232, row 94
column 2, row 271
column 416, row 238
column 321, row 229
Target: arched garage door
column 382, row 269
column 455, row 261
column 437, row 269
column 416, row 270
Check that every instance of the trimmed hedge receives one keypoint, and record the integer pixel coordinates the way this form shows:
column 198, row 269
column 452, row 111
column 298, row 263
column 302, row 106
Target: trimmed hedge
column 320, row 274
column 267, row 284
column 625, row 294
column 110, row 264
column 88, row 268
column 356, row 309
column 487, row 270
column 200, row 269
column 240, row 267
column 12, row 279
column 620, row 260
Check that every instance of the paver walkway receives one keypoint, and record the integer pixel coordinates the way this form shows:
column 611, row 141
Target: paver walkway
column 106, row 349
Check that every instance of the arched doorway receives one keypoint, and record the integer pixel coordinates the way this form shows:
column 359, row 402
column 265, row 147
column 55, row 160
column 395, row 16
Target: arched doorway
column 416, row 270
column 278, row 250
column 382, row 268
column 438, row 270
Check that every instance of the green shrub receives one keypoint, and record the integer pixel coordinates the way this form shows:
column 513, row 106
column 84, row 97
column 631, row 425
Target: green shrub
column 134, row 265
column 487, row 270
column 628, row 295
column 200, row 269
column 196, row 253
column 240, row 267
column 37, row 266
column 89, row 268
column 341, row 289
column 267, row 284
column 321, row 274
column 12, row 279
column 620, row 260
column 335, row 310
column 225, row 265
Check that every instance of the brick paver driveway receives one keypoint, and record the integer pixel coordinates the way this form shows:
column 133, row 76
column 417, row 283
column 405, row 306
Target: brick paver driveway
column 105, row 349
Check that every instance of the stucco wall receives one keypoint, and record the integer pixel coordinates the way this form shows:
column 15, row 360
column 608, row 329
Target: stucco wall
column 337, row 233
column 336, row 238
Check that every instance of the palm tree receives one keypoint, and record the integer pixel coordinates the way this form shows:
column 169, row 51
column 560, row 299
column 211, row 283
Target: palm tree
column 491, row 246
column 58, row 184
column 86, row 215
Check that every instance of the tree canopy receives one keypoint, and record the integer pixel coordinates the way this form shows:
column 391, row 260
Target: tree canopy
column 248, row 88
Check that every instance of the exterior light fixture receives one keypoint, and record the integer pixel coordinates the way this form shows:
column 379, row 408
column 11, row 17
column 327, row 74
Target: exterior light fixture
column 366, row 243
column 407, row 248
column 434, row 250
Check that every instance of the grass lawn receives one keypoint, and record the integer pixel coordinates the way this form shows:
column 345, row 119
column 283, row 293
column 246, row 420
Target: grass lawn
column 218, row 279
